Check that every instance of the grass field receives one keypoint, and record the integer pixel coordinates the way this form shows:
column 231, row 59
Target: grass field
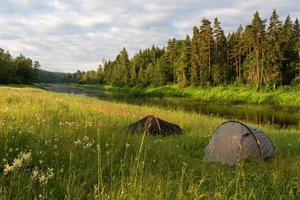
column 57, row 146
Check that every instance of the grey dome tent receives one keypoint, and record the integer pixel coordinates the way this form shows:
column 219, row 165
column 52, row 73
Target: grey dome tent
column 154, row 126
column 234, row 141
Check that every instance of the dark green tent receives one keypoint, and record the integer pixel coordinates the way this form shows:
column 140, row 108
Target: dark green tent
column 154, row 126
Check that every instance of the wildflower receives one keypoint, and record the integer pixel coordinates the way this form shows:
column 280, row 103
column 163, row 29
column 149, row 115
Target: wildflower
column 35, row 173
column 85, row 138
column 127, row 145
column 88, row 145
column 7, row 169
column 46, row 176
column 42, row 179
column 77, row 142
column 18, row 162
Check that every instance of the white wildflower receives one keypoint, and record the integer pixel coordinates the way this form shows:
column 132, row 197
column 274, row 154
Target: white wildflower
column 77, row 142
column 85, row 138
column 7, row 169
column 43, row 180
column 18, row 162
column 127, row 145
column 35, row 173
column 46, row 176
column 88, row 145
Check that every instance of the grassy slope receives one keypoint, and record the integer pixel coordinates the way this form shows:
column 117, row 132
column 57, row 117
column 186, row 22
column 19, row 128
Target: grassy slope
column 127, row 166
column 281, row 96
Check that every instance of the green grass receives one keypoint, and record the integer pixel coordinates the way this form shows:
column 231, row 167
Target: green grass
column 79, row 150
column 289, row 95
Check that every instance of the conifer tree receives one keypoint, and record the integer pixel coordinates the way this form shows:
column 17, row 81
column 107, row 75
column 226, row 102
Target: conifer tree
column 219, row 67
column 184, row 63
column 195, row 58
column 274, row 53
column 206, row 45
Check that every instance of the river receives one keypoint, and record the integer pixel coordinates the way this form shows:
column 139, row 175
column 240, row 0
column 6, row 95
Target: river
column 278, row 116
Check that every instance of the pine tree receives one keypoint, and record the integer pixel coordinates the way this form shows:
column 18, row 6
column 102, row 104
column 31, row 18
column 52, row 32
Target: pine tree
column 289, row 51
column 274, row 53
column 195, row 58
column 184, row 63
column 206, row 45
column 219, row 68
column 296, row 42
column 171, row 56
column 258, row 40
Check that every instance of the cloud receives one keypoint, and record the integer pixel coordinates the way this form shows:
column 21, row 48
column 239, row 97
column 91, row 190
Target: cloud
column 65, row 35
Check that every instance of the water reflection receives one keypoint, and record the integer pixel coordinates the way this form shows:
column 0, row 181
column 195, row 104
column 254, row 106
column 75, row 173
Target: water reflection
column 279, row 116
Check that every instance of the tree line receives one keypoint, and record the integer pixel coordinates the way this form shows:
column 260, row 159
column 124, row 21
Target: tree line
column 258, row 54
column 19, row 70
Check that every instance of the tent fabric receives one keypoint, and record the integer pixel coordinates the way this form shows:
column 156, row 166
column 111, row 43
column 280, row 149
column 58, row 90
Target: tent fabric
column 233, row 141
column 154, row 126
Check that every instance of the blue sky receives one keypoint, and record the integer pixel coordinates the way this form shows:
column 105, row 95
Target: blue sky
column 65, row 35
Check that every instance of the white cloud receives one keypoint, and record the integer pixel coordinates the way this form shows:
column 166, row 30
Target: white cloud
column 65, row 35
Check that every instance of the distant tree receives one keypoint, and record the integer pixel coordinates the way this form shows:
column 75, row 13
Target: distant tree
column 171, row 56
column 289, row 51
column 274, row 53
column 206, row 48
column 184, row 63
column 7, row 69
column 195, row 58
column 220, row 71
column 25, row 73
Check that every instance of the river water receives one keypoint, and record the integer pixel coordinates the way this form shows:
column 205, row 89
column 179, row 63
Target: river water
column 278, row 116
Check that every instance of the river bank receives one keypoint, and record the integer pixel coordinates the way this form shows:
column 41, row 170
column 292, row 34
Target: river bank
column 289, row 96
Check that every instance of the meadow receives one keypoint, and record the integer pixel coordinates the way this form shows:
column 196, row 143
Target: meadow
column 58, row 146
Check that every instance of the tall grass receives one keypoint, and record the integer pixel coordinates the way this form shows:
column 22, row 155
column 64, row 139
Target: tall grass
column 79, row 150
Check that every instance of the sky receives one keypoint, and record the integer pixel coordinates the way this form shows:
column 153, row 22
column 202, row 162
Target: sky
column 66, row 35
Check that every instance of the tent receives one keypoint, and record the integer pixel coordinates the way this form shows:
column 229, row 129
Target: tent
column 234, row 141
column 154, row 126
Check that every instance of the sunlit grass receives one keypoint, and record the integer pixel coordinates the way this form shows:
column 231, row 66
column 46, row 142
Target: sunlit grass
column 79, row 150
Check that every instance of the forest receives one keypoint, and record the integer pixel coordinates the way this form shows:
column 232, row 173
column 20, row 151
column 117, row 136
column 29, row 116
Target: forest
column 263, row 53
column 19, row 70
